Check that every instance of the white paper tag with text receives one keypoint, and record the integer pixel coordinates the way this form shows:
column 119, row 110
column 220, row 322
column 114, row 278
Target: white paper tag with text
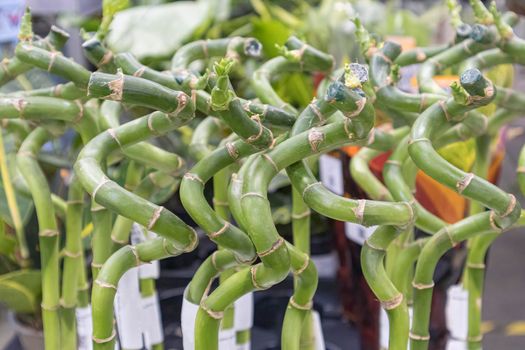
column 243, row 309
column 456, row 312
column 84, row 328
column 188, row 315
column 358, row 233
column 128, row 310
column 331, row 173
column 152, row 320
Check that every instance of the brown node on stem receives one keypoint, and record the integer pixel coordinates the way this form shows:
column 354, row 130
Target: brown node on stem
column 421, row 286
column 271, row 161
column 275, row 245
column 154, row 217
column 48, row 233
column 315, row 137
column 217, row 315
column 232, row 150
column 105, row 340
column 117, row 87
column 305, row 307
column 392, row 303
column 359, row 211
column 418, row 337
column 462, row 184
column 223, row 229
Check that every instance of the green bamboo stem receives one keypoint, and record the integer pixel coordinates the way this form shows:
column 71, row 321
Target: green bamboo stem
column 105, row 285
column 392, row 300
column 438, row 244
column 297, row 57
column 11, row 68
column 110, row 195
column 66, row 91
column 73, row 259
column 475, row 91
column 521, row 170
column 482, row 38
column 18, row 127
column 234, row 48
column 386, row 92
column 200, row 140
column 48, row 234
column 268, row 114
column 22, row 187
column 99, row 55
column 122, row 225
column 419, row 54
column 53, row 62
column 194, row 202
column 362, row 174
column 41, row 108
column 400, row 190
column 488, row 58
column 474, row 272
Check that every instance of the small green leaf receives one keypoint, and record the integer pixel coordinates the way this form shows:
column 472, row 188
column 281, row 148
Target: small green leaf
column 109, row 9
column 157, row 31
column 21, row 290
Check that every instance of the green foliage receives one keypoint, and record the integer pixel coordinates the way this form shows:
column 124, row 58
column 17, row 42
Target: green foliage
column 109, row 9
column 26, row 27
column 21, row 291
column 270, row 32
column 153, row 32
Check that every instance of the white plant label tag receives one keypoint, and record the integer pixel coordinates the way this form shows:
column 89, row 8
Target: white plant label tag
column 331, row 173
column 227, row 339
column 456, row 312
column 84, row 327
column 318, row 331
column 128, row 311
column 152, row 320
column 188, row 315
column 243, row 312
column 358, row 233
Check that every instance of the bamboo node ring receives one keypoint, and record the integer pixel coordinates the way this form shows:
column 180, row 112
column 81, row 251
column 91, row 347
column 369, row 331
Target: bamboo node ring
column 105, row 340
column 48, row 233
column 305, row 307
column 418, row 337
column 304, row 266
column 217, row 315
column 479, row 266
column 232, row 150
column 223, row 229
column 315, row 137
column 116, row 87
column 104, row 284
column 138, row 73
column 154, row 217
column 392, row 303
column 193, row 177
column 271, row 161
column 511, row 206
column 275, row 245
column 104, row 181
column 253, row 273
column 252, row 194
column 421, row 286
column 359, row 211
column 462, row 184
column 307, row 188
column 113, row 135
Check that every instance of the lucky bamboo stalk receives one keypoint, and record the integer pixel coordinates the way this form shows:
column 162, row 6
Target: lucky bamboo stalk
column 48, row 234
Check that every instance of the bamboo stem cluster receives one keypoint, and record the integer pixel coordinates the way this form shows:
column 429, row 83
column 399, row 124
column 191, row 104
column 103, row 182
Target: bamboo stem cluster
column 119, row 109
